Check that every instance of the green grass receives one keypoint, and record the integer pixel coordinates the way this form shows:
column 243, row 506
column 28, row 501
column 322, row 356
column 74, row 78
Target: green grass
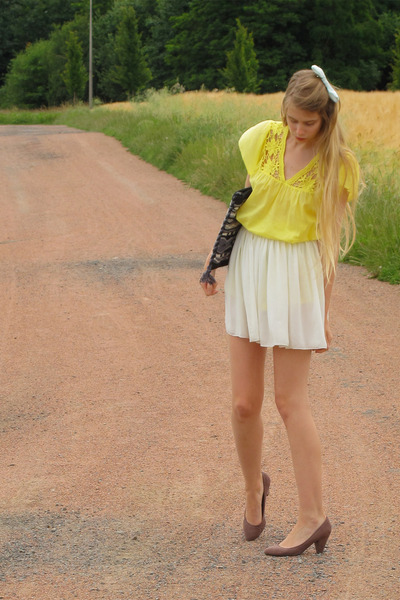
column 195, row 139
column 377, row 245
column 26, row 117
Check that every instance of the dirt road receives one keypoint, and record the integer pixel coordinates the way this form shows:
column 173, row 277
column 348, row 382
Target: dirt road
column 119, row 478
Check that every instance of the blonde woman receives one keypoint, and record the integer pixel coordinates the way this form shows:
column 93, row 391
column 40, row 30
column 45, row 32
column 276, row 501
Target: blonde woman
column 278, row 289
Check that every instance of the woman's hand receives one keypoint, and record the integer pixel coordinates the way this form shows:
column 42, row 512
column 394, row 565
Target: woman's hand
column 328, row 337
column 209, row 288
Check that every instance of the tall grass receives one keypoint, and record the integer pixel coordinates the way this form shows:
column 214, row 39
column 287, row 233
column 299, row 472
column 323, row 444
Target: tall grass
column 194, row 137
column 377, row 245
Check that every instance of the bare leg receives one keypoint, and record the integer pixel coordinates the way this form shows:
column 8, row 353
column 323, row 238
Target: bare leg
column 247, row 372
column 291, row 369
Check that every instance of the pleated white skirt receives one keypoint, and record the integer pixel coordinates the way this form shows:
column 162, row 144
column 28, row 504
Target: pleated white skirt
column 274, row 293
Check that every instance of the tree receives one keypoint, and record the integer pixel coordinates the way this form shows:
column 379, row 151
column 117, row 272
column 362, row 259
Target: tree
column 35, row 76
column 389, row 23
column 395, row 82
column 343, row 37
column 24, row 22
column 57, row 94
column 26, row 82
column 242, row 64
column 154, row 19
column 131, row 71
column 279, row 31
column 99, row 7
column 105, row 59
column 202, row 35
column 74, row 75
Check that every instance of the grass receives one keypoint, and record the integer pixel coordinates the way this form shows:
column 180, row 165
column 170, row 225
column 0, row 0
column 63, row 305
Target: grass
column 26, row 117
column 377, row 246
column 194, row 137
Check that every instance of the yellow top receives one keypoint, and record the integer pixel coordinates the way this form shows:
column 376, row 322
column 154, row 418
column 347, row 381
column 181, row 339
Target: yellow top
column 279, row 208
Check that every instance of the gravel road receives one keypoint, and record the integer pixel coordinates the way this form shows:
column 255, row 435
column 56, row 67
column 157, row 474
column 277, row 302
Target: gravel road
column 119, row 478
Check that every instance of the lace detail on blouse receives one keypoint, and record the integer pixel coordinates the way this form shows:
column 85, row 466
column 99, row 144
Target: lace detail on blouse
column 271, row 153
column 306, row 178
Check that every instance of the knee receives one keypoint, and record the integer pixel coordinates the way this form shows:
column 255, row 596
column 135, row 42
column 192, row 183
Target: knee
column 245, row 409
column 283, row 404
column 291, row 405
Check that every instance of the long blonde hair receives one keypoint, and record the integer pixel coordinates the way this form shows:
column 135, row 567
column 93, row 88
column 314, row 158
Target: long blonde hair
column 306, row 91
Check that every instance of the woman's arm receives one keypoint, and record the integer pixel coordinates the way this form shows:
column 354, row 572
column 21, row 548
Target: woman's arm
column 211, row 289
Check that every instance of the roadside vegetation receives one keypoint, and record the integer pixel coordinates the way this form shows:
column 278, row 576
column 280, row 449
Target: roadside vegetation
column 251, row 46
column 193, row 136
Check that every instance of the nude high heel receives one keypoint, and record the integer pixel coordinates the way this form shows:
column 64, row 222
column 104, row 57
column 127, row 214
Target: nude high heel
column 319, row 538
column 252, row 532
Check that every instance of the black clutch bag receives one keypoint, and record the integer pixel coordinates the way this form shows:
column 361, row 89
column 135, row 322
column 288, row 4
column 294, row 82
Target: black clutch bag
column 226, row 237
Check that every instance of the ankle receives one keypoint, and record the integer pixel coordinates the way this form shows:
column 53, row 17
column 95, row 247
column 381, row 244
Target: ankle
column 311, row 519
column 255, row 487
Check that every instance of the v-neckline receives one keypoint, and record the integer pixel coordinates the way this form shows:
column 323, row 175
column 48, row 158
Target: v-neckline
column 307, row 167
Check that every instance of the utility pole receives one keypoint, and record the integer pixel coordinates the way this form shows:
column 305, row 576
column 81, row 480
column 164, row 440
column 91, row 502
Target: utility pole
column 90, row 55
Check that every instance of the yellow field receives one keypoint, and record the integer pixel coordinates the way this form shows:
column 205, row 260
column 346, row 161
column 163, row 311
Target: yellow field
column 371, row 119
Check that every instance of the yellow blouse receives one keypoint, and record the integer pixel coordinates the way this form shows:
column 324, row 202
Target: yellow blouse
column 279, row 208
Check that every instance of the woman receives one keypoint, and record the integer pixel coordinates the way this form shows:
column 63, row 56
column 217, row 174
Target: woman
column 279, row 285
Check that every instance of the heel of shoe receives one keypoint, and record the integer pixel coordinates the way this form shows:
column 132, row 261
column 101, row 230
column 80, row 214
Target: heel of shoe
column 321, row 543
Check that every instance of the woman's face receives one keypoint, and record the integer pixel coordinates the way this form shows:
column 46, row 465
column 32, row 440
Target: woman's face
column 304, row 125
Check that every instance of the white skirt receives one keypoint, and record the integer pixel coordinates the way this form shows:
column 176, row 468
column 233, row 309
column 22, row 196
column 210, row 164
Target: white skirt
column 274, row 293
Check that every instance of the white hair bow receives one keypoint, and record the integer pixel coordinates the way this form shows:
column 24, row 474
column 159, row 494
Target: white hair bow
column 331, row 92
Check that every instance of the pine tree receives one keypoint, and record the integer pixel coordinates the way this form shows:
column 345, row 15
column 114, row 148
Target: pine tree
column 74, row 74
column 131, row 71
column 196, row 53
column 242, row 64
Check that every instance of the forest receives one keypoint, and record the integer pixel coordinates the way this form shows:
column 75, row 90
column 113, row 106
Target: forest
column 252, row 46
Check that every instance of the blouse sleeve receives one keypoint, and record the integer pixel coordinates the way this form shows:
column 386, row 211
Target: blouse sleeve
column 349, row 176
column 251, row 145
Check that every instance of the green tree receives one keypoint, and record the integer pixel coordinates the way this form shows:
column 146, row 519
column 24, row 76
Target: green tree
column 389, row 23
column 57, row 94
column 74, row 75
column 202, row 35
column 242, row 64
column 154, row 19
column 343, row 37
column 130, row 71
column 279, row 32
column 105, row 29
column 26, row 84
column 395, row 78
column 24, row 22
column 382, row 6
column 99, row 7
column 35, row 76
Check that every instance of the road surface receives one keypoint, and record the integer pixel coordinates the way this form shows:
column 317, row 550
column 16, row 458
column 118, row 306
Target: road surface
column 119, row 478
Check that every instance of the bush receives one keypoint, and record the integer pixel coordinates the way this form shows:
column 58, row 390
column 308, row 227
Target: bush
column 35, row 76
column 27, row 81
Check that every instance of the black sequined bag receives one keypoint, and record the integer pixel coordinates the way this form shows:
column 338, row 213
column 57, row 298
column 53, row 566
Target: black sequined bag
column 226, row 237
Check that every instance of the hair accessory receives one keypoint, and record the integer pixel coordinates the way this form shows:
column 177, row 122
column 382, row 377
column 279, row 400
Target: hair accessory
column 331, row 92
